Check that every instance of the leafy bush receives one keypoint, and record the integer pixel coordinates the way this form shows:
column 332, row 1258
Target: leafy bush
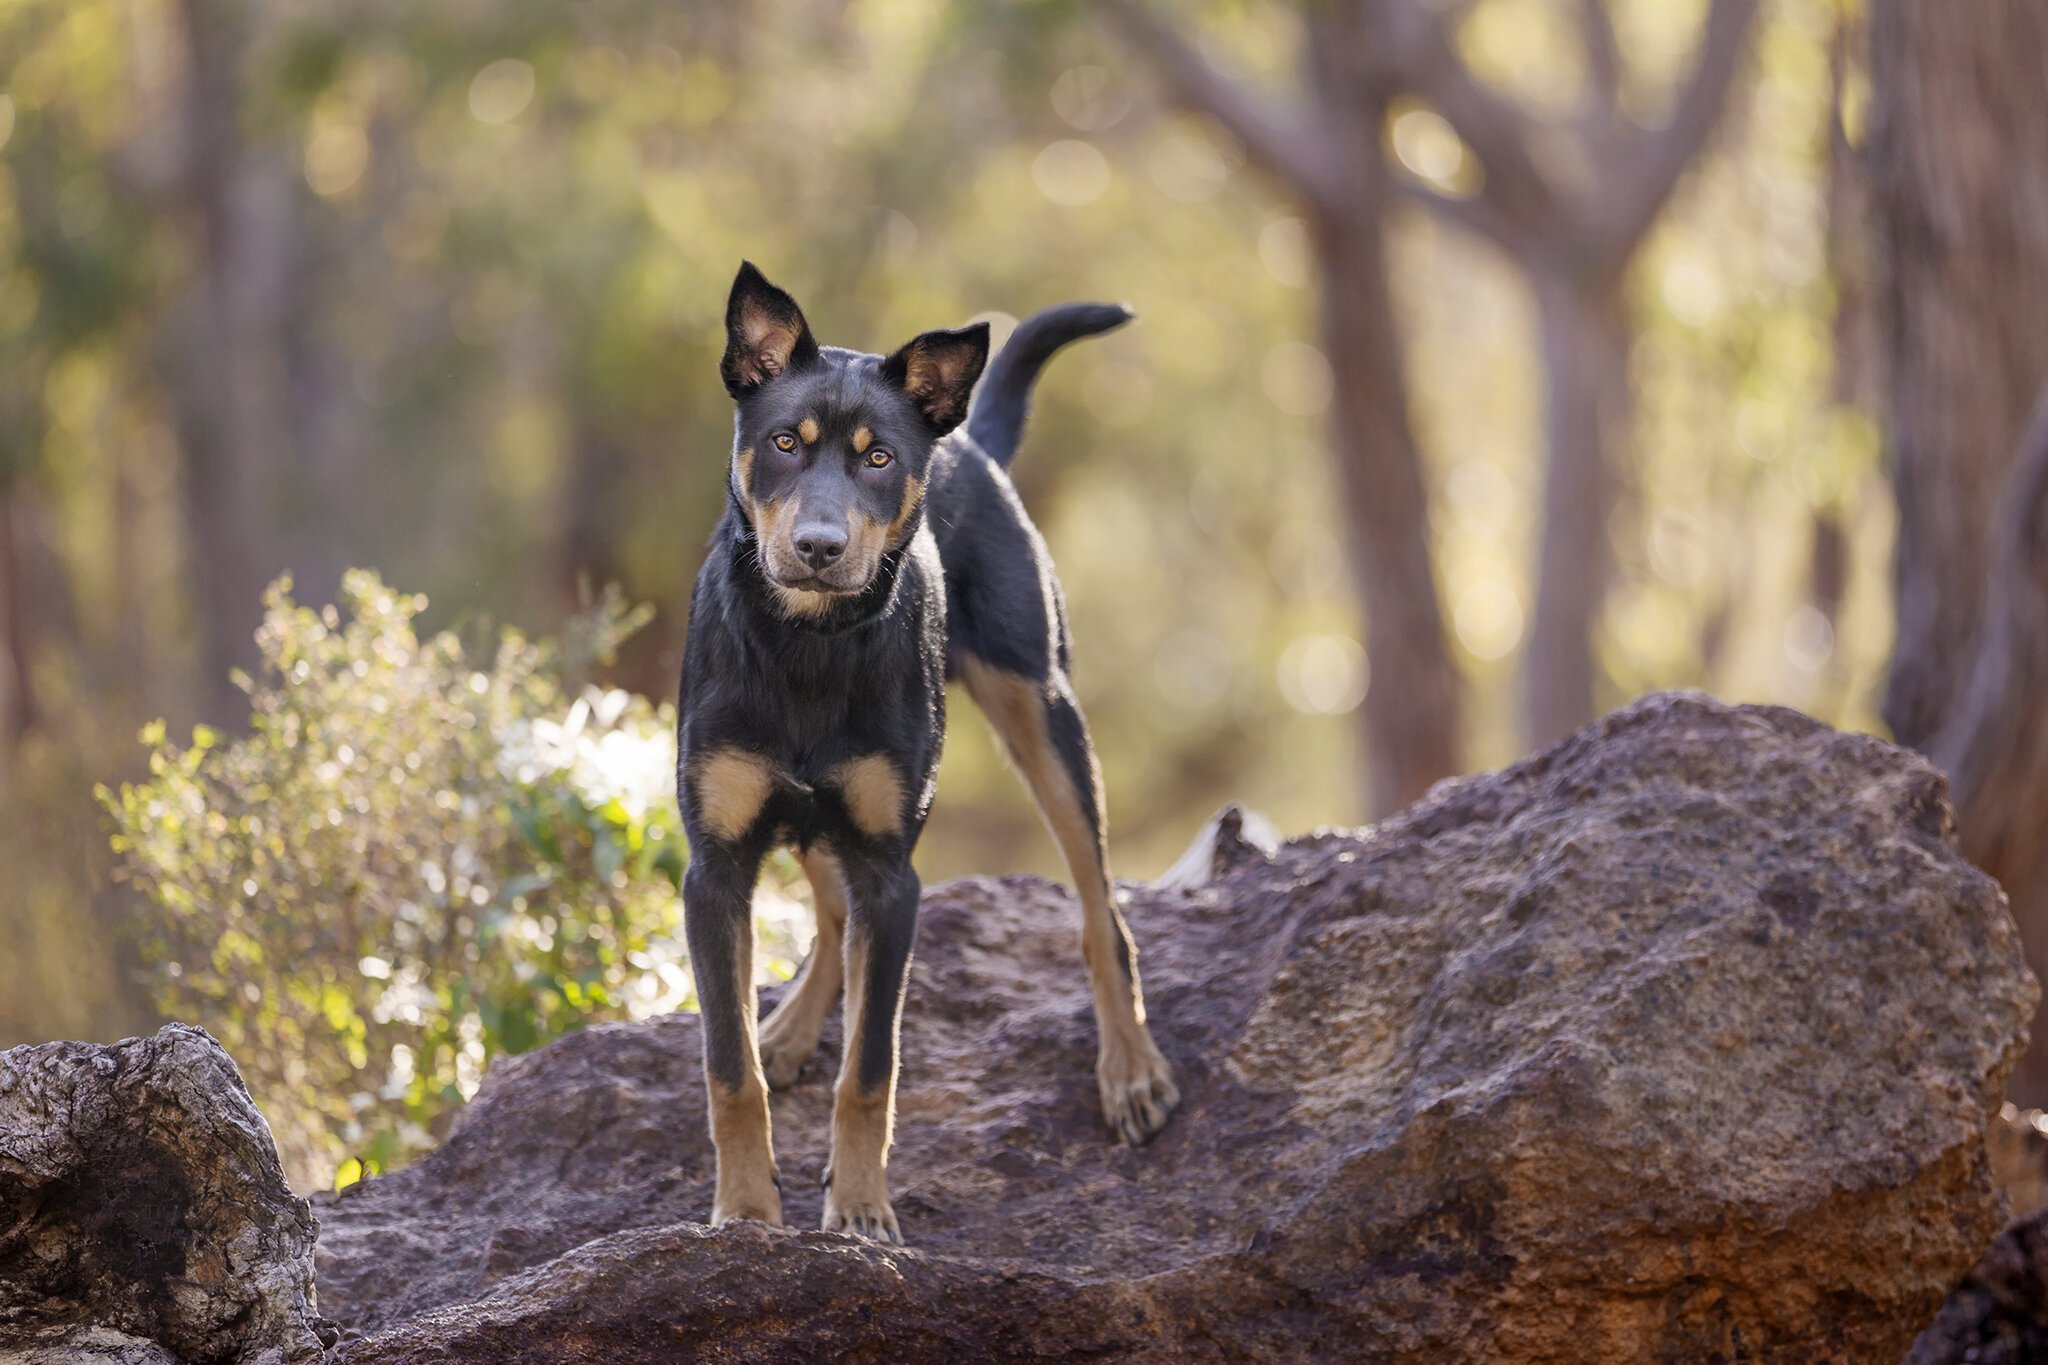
column 413, row 863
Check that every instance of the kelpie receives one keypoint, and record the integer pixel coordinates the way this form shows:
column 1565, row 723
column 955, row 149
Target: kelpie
column 870, row 550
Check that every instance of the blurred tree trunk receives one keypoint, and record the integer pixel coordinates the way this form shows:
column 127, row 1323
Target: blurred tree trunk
column 1572, row 237
column 1411, row 711
column 1333, row 163
column 19, row 675
column 1585, row 435
column 1960, row 186
column 232, row 380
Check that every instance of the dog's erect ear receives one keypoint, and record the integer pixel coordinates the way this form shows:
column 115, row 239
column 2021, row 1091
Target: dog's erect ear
column 937, row 370
column 765, row 334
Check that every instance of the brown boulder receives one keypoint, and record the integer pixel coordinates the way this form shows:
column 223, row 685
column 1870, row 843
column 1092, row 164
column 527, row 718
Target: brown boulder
column 143, row 1215
column 1674, row 1043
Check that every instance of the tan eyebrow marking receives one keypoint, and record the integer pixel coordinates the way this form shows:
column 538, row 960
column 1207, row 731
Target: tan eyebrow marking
column 808, row 429
column 862, row 439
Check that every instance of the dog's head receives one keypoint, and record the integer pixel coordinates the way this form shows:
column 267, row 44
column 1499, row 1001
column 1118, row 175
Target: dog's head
column 831, row 447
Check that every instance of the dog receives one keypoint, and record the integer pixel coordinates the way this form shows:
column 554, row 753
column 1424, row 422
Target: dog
column 872, row 548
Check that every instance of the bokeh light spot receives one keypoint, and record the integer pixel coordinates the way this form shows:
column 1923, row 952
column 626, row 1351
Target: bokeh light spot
column 1488, row 619
column 1071, row 173
column 1324, row 675
column 1296, row 378
column 1809, row 639
column 336, row 156
column 501, row 91
column 1188, row 169
column 1678, row 547
column 1284, row 251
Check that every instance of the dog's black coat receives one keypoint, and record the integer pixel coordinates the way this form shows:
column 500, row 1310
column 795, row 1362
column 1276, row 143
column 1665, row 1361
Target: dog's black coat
column 814, row 682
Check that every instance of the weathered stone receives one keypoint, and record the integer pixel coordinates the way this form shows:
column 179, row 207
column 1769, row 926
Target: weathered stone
column 1674, row 1043
column 1998, row 1315
column 143, row 1213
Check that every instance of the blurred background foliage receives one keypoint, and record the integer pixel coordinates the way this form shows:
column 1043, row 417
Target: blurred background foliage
column 411, row 864
column 288, row 286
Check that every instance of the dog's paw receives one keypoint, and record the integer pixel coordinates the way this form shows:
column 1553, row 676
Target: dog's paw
column 759, row 1213
column 876, row 1222
column 755, row 1194
column 1138, row 1093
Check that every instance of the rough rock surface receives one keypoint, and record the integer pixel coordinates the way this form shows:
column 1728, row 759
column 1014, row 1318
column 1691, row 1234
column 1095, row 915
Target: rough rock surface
column 1998, row 1315
column 143, row 1215
column 1674, row 1043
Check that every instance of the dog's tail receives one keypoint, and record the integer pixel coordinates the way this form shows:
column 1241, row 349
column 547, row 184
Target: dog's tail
column 1004, row 399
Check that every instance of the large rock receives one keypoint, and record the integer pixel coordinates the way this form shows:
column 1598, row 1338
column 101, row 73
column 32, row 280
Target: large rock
column 143, row 1215
column 1998, row 1315
column 1674, row 1043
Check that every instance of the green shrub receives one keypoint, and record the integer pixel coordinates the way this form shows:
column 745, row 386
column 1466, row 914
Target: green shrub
column 413, row 863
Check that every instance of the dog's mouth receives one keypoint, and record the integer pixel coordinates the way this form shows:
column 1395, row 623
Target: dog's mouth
column 828, row 585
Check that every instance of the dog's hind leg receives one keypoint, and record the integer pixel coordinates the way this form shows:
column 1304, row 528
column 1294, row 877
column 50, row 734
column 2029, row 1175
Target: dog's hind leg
column 790, row 1035
column 1047, row 738
column 881, row 925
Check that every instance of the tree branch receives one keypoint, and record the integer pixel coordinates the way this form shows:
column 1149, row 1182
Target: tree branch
column 1518, row 194
column 1635, row 184
column 1603, row 58
column 1295, row 148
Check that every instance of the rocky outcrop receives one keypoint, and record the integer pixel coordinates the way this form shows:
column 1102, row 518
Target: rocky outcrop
column 1998, row 1315
column 144, row 1219
column 1674, row 1043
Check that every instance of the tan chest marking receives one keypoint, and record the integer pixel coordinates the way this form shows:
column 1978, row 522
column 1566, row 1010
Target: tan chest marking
column 731, row 786
column 873, row 792
column 801, row 601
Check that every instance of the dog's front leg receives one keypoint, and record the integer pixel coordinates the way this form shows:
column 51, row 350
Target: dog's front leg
column 718, row 920
column 881, row 925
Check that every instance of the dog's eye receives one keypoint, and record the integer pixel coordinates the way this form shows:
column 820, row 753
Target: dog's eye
column 879, row 458
column 784, row 442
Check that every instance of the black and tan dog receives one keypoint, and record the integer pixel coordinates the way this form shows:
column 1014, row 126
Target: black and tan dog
column 869, row 552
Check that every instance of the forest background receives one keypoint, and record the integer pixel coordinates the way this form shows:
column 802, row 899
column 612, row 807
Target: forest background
column 1498, row 361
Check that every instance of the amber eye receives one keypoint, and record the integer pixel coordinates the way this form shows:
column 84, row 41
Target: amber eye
column 879, row 458
column 785, row 442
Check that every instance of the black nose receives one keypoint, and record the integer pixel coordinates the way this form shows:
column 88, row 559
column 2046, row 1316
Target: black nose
column 820, row 546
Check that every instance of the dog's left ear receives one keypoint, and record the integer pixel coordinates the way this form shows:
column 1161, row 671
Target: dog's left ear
column 937, row 370
column 765, row 334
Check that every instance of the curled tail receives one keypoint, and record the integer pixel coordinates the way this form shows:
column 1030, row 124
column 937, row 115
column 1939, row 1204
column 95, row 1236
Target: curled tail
column 1004, row 398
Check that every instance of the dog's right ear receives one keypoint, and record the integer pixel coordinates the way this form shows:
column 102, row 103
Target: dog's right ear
column 765, row 334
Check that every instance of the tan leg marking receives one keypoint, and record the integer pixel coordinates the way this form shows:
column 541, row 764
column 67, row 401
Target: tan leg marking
column 1136, row 1084
column 790, row 1035
column 731, row 786
column 857, row 1192
column 862, row 439
column 808, row 429
column 873, row 792
column 740, row 1128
